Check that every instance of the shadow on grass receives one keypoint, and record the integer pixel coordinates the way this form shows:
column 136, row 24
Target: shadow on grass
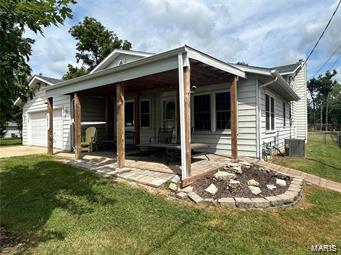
column 324, row 164
column 30, row 193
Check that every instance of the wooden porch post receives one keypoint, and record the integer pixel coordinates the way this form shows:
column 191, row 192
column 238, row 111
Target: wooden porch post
column 185, row 118
column 137, row 117
column 78, row 131
column 120, row 125
column 50, row 126
column 234, row 120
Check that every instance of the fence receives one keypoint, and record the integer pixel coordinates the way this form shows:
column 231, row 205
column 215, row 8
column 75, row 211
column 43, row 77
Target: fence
column 336, row 135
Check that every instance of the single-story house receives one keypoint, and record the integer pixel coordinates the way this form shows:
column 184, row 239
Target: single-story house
column 12, row 130
column 234, row 109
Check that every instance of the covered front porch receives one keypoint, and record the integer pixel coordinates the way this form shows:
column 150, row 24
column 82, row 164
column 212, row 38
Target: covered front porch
column 141, row 99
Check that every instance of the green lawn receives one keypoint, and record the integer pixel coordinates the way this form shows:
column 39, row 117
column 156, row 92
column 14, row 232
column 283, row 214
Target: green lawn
column 322, row 159
column 64, row 210
column 10, row 141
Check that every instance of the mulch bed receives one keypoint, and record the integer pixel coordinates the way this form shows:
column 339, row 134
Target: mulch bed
column 8, row 240
column 263, row 177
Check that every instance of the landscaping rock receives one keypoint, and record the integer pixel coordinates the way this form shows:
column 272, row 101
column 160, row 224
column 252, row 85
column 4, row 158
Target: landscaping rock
column 231, row 164
column 221, row 175
column 212, row 189
column 245, row 164
column 175, row 179
column 227, row 202
column 260, row 202
column 234, row 184
column 275, row 200
column 255, row 190
column 236, row 170
column 187, row 189
column 253, row 182
column 271, row 187
column 281, row 182
column 195, row 197
column 173, row 187
column 242, row 202
column 181, row 195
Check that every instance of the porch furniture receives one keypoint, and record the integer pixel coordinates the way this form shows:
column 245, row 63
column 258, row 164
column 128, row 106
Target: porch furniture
column 90, row 139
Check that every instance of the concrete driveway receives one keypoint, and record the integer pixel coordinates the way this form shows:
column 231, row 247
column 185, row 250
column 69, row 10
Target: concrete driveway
column 20, row 150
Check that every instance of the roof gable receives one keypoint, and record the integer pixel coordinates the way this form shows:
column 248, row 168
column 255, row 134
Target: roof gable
column 118, row 57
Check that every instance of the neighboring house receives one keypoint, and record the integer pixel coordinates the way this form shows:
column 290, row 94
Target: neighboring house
column 12, row 130
column 182, row 88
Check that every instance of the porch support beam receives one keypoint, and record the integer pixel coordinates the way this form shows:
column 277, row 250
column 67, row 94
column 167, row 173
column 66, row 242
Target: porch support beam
column 234, row 118
column 50, row 126
column 78, row 127
column 137, row 117
column 120, row 125
column 185, row 117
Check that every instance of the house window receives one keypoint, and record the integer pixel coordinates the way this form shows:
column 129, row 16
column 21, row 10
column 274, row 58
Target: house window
column 284, row 115
column 269, row 112
column 223, row 113
column 129, row 114
column 290, row 117
column 145, row 113
column 202, row 112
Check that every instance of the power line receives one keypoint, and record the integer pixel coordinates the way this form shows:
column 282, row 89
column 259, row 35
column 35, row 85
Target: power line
column 324, row 30
column 326, row 62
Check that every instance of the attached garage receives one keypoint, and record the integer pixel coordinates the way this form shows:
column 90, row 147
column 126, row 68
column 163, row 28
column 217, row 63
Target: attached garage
column 38, row 128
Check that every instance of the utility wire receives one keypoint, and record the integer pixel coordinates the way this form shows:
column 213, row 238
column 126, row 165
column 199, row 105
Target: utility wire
column 324, row 30
column 330, row 57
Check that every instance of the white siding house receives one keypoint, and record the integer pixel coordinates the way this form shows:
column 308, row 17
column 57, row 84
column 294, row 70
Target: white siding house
column 265, row 103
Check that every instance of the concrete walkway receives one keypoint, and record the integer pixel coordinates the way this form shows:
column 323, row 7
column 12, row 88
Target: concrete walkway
column 313, row 179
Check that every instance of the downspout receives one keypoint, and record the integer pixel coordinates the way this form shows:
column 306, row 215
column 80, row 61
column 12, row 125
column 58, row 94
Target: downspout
column 259, row 113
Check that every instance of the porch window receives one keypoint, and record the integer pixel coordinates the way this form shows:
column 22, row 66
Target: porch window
column 145, row 113
column 129, row 114
column 223, row 111
column 269, row 112
column 202, row 112
column 284, row 116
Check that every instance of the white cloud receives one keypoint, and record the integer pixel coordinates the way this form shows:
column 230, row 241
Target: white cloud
column 263, row 32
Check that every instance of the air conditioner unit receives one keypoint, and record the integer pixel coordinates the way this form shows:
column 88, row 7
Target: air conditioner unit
column 295, row 147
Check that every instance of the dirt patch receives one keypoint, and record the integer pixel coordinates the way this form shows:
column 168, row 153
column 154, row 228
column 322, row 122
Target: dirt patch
column 8, row 241
column 262, row 176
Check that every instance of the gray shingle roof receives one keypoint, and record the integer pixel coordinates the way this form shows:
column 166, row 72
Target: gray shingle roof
column 49, row 79
column 287, row 68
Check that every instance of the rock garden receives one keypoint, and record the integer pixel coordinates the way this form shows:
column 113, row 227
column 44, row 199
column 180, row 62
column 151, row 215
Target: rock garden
column 241, row 185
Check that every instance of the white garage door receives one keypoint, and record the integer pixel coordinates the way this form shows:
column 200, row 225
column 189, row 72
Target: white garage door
column 38, row 122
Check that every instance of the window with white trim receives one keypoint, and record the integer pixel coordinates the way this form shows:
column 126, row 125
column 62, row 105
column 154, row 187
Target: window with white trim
column 223, row 110
column 145, row 113
column 269, row 112
column 202, row 112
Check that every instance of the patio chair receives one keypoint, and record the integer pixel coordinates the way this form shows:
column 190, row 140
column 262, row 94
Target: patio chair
column 165, row 135
column 90, row 139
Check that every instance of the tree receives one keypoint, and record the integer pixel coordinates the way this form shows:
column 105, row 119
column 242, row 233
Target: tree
column 95, row 42
column 15, row 17
column 320, row 90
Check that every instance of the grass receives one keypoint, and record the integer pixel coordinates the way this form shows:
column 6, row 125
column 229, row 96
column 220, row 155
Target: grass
column 64, row 210
column 322, row 159
column 10, row 141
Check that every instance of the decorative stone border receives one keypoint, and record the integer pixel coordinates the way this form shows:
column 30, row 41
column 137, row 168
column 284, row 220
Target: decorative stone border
column 288, row 198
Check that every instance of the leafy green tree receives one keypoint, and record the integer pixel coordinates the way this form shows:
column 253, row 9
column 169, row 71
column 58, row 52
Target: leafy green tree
column 95, row 42
column 15, row 17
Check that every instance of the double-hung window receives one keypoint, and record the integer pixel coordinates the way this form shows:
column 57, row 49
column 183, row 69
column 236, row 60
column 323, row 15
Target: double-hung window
column 145, row 113
column 269, row 112
column 202, row 112
column 223, row 111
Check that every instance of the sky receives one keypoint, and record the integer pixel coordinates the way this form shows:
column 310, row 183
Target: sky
column 260, row 32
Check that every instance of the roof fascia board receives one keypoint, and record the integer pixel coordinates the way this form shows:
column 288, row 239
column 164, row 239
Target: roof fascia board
column 204, row 58
column 255, row 70
column 120, row 68
column 114, row 54
column 114, row 76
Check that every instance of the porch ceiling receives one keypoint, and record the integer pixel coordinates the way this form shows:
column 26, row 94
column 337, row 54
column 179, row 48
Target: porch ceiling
column 201, row 74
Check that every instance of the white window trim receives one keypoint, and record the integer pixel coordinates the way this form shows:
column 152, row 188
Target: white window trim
column 214, row 129
column 150, row 113
column 270, row 131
